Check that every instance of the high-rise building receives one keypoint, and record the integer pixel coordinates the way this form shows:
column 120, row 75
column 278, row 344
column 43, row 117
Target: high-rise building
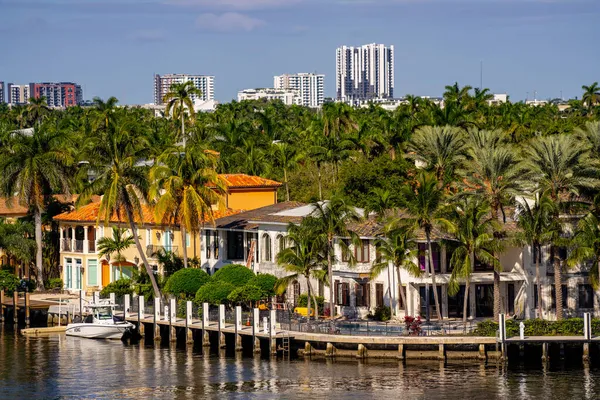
column 62, row 94
column 365, row 72
column 162, row 84
column 2, row 95
column 310, row 87
column 17, row 94
column 287, row 97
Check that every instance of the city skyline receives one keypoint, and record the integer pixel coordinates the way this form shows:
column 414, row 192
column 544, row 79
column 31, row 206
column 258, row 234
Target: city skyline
column 525, row 46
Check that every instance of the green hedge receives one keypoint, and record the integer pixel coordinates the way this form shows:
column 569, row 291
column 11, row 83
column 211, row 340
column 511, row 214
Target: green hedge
column 53, row 283
column 119, row 287
column 245, row 294
column 9, row 282
column 303, row 301
column 186, row 282
column 235, row 274
column 538, row 327
column 266, row 282
column 214, row 293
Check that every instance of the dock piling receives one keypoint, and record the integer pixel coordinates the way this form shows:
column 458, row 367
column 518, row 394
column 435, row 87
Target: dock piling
column 16, row 307
column 307, row 349
column 545, row 353
column 482, row 352
column 27, row 309
column 586, row 352
column 238, row 328
column 441, row 352
column 189, row 337
column 362, row 352
column 1, row 306
column 205, row 322
column 156, row 319
column 272, row 333
column 172, row 319
column 126, row 306
column 401, row 352
column 255, row 330
column 141, row 315
column 330, row 350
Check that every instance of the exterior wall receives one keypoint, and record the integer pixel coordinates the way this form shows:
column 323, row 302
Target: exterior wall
column 250, row 199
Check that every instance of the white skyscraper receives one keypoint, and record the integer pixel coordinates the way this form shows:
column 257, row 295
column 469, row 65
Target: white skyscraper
column 365, row 72
column 205, row 83
column 18, row 94
column 311, row 87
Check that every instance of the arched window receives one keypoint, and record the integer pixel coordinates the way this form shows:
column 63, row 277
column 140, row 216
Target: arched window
column 267, row 253
column 280, row 243
column 295, row 292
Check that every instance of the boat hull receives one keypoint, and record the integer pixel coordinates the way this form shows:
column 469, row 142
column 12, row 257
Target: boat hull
column 97, row 331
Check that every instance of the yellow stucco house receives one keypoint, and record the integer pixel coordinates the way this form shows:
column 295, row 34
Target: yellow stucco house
column 83, row 269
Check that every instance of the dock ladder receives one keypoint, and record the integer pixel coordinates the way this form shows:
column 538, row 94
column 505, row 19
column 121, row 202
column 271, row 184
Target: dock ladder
column 285, row 345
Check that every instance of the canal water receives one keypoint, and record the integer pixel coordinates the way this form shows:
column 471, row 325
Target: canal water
column 60, row 367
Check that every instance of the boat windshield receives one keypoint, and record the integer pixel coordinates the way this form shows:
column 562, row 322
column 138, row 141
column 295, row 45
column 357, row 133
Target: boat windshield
column 103, row 313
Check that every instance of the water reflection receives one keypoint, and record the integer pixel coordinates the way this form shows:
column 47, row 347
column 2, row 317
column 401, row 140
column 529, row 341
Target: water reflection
column 61, row 367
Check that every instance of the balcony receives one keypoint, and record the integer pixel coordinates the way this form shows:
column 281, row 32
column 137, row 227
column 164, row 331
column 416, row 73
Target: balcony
column 77, row 246
column 153, row 250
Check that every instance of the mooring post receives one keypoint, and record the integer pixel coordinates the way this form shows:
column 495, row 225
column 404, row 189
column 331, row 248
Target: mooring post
column 362, row 351
column 172, row 320
column 189, row 337
column 205, row 336
column 16, row 307
column 441, row 352
column 400, row 355
column 307, row 349
column 272, row 333
column 81, row 305
column 156, row 319
column 255, row 330
column 545, row 352
column 221, row 326
column 1, row 305
column 502, row 336
column 586, row 352
column 238, row 328
column 141, row 315
column 330, row 350
column 587, row 326
column 482, row 352
column 126, row 306
column 27, row 309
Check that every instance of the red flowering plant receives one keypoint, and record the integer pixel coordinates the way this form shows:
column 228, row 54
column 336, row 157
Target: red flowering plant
column 413, row 325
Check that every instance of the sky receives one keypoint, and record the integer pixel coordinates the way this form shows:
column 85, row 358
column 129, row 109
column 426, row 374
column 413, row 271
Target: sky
column 113, row 47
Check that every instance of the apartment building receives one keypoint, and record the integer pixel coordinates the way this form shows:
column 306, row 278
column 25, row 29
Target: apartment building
column 287, row 97
column 18, row 94
column 365, row 72
column 162, row 85
column 61, row 94
column 310, row 87
column 2, row 93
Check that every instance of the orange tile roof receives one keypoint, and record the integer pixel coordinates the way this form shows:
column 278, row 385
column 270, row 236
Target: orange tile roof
column 13, row 210
column 89, row 213
column 246, row 181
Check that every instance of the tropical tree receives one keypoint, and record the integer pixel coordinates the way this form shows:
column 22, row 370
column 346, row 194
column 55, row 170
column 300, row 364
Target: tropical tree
column 332, row 220
column 33, row 168
column 470, row 223
column 423, row 200
column 185, row 186
column 116, row 156
column 586, row 246
column 399, row 249
column 591, row 95
column 118, row 243
column 104, row 112
column 287, row 157
column 178, row 100
column 38, row 109
column 561, row 166
column 537, row 228
column 302, row 257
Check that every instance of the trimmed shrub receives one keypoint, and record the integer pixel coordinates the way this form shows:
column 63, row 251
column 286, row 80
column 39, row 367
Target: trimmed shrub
column 119, row 287
column 214, row 293
column 303, row 301
column 9, row 282
column 266, row 282
column 235, row 274
column 245, row 294
column 53, row 283
column 382, row 313
column 538, row 327
column 186, row 282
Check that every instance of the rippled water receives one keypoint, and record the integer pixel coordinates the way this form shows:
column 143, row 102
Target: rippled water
column 64, row 367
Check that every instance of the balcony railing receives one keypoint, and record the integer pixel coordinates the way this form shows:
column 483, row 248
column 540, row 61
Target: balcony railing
column 91, row 246
column 78, row 246
column 66, row 244
column 153, row 250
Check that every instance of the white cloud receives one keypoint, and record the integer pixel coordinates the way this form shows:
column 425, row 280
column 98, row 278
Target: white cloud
column 228, row 22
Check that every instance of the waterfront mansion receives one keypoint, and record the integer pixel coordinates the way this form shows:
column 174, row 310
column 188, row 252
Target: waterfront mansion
column 255, row 222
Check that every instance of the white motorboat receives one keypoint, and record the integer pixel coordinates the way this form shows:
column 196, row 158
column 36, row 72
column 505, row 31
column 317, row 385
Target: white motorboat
column 100, row 323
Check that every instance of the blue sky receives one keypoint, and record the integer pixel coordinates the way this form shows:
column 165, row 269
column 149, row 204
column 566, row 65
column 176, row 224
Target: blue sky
column 113, row 47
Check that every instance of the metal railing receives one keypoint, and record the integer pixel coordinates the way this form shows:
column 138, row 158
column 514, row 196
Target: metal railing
column 66, row 244
column 91, row 246
column 78, row 246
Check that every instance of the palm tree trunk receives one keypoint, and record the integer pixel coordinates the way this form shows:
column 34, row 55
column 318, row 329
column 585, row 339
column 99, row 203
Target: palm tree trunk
column 497, row 295
column 287, row 186
column 182, row 125
column 316, row 306
column 330, row 273
column 538, row 282
column 432, row 270
column 467, row 289
column 320, row 183
column 308, row 298
column 38, row 241
column 184, row 245
column 557, row 287
column 138, row 244
column 391, row 293
column 400, row 289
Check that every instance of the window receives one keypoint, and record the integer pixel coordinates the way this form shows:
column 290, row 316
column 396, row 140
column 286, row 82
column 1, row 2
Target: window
column 535, row 297
column 187, row 240
column 401, row 304
column 344, row 245
column 363, row 294
column 586, row 296
column 435, row 255
column 207, row 235
column 280, row 243
column 235, row 245
column 379, row 294
column 77, row 273
column 361, row 253
column 68, row 273
column 216, row 245
column 565, row 293
column 92, row 273
column 266, row 242
column 342, row 292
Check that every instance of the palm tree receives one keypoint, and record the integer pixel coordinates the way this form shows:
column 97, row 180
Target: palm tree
column 37, row 109
column 398, row 248
column 179, row 99
column 590, row 135
column 303, row 257
column 33, row 167
column 561, row 166
column 537, row 227
column 185, row 186
column 591, row 95
column 118, row 243
column 440, row 149
column 493, row 174
column 105, row 112
column 116, row 156
column 423, row 201
column 586, row 246
column 287, row 156
column 332, row 219
column 456, row 94
column 470, row 223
